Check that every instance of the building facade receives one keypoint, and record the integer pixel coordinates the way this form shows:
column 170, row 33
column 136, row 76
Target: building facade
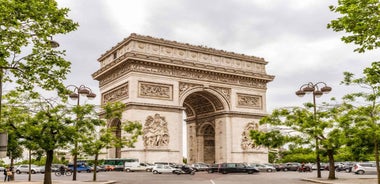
column 222, row 94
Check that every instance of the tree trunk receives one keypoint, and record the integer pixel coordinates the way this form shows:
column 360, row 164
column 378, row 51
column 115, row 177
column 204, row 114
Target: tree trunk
column 49, row 161
column 12, row 178
column 377, row 160
column 330, row 154
column 95, row 166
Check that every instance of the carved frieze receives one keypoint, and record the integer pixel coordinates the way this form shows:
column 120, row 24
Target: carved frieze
column 246, row 142
column 249, row 101
column 184, row 86
column 156, row 132
column 117, row 93
column 155, row 90
column 226, row 92
column 182, row 73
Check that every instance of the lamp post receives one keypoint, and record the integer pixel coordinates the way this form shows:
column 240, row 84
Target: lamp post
column 317, row 91
column 79, row 91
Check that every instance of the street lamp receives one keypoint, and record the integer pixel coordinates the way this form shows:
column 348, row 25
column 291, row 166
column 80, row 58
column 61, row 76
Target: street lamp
column 317, row 91
column 79, row 91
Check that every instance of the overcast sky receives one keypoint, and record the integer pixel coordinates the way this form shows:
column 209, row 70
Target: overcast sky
column 290, row 34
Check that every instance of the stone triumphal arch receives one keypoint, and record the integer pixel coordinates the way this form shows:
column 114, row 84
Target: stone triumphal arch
column 223, row 95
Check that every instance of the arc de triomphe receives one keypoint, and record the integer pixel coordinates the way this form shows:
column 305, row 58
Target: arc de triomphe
column 222, row 95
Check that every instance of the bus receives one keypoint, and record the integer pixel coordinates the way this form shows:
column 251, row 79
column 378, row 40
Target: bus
column 118, row 164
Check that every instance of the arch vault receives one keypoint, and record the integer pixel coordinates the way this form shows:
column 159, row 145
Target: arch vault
column 223, row 95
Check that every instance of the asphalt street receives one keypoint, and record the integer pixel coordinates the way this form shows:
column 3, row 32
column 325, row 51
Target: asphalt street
column 203, row 178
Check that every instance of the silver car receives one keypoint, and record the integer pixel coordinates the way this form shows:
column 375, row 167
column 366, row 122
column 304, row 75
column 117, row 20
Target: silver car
column 25, row 169
column 160, row 168
column 366, row 167
column 263, row 167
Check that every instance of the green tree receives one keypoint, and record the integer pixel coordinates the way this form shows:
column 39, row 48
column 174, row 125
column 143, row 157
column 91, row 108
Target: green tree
column 306, row 129
column 366, row 128
column 40, row 124
column 106, row 138
column 27, row 57
column 85, row 124
column 361, row 19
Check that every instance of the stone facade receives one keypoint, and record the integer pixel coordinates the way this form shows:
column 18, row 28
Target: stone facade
column 222, row 93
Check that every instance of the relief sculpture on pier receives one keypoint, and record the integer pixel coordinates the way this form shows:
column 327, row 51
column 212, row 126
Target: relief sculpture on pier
column 156, row 132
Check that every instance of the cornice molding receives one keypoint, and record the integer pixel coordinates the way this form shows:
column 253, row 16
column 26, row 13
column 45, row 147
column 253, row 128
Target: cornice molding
column 169, row 61
column 186, row 46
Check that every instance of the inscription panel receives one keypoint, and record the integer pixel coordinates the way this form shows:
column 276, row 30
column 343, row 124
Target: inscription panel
column 249, row 101
column 155, row 90
column 115, row 94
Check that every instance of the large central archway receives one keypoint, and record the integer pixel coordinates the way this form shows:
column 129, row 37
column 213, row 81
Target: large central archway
column 202, row 107
column 222, row 93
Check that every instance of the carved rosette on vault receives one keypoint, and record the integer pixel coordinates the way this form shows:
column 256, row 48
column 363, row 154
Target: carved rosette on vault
column 246, row 143
column 155, row 132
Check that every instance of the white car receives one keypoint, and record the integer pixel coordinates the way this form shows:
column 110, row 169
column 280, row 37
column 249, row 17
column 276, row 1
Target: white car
column 25, row 169
column 160, row 168
column 141, row 167
column 367, row 167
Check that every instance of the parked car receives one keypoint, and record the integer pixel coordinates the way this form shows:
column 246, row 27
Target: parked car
column 98, row 169
column 2, row 169
column 141, row 167
column 279, row 167
column 293, row 166
column 167, row 163
column 367, row 167
column 25, row 169
column 200, row 166
column 237, row 168
column 109, row 167
column 323, row 166
column 344, row 166
column 42, row 169
column 213, row 168
column 80, row 168
column 160, row 168
column 263, row 167
column 348, row 166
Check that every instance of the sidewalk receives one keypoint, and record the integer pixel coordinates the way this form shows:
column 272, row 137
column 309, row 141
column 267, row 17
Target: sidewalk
column 63, row 182
column 343, row 180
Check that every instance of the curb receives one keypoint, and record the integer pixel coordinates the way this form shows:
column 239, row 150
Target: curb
column 109, row 182
column 316, row 181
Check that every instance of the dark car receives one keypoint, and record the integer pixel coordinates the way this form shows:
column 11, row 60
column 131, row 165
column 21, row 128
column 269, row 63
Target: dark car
column 213, row 168
column 279, row 167
column 237, row 168
column 200, row 166
column 291, row 166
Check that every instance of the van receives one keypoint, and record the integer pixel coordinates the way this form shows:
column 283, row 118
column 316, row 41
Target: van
column 237, row 168
column 166, row 163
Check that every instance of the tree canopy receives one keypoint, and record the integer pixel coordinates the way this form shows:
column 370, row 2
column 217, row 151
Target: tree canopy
column 361, row 19
column 26, row 50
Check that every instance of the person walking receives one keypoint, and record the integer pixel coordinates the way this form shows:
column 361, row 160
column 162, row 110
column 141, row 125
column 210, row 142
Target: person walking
column 6, row 174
